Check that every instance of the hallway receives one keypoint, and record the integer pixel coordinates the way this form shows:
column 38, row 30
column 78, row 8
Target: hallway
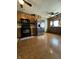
column 47, row 46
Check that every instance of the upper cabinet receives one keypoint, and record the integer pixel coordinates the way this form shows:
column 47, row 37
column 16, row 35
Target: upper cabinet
column 31, row 17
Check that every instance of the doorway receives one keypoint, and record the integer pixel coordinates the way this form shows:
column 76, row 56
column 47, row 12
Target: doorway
column 25, row 30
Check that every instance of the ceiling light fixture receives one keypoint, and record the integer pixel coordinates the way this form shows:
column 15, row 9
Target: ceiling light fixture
column 21, row 2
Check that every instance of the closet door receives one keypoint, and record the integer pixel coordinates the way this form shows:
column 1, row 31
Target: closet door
column 25, row 30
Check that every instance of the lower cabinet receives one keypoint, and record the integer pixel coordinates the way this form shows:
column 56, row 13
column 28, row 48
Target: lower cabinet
column 55, row 30
column 18, row 32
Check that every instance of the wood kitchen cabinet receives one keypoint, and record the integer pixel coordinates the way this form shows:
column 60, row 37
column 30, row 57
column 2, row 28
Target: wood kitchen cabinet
column 19, row 31
column 33, row 23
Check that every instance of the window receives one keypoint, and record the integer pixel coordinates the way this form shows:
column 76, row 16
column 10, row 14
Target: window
column 56, row 23
column 42, row 25
column 51, row 23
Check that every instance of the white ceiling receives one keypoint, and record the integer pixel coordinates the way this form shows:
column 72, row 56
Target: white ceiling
column 41, row 7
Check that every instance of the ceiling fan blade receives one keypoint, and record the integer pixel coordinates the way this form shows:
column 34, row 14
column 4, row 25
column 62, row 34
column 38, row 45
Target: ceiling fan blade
column 28, row 3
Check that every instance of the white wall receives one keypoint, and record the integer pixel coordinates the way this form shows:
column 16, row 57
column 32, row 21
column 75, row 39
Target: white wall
column 46, row 25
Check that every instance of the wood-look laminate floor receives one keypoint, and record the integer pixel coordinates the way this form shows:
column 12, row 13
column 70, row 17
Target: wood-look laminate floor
column 47, row 46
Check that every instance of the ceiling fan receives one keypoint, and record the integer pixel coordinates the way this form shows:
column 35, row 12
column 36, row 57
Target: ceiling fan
column 24, row 1
column 52, row 13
